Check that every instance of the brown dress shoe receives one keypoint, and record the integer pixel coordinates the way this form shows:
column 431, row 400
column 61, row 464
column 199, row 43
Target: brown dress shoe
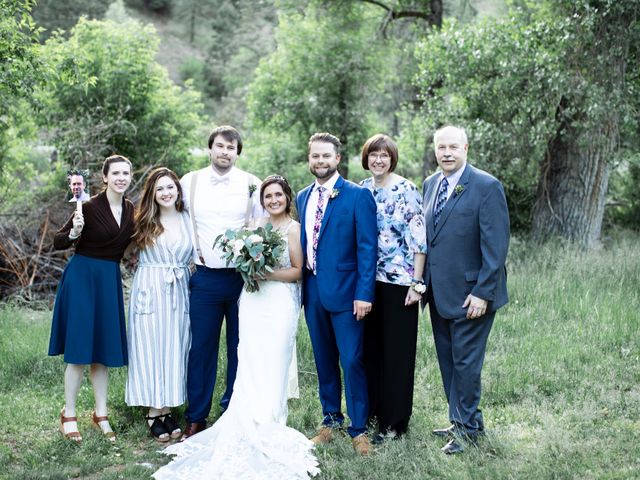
column 192, row 429
column 325, row 435
column 361, row 444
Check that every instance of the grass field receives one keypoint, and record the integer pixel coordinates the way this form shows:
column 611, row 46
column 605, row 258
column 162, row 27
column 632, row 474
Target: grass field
column 561, row 388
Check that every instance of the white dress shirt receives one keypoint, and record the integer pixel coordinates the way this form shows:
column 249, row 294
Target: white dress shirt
column 220, row 204
column 310, row 213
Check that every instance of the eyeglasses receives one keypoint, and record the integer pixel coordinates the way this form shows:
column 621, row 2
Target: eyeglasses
column 379, row 156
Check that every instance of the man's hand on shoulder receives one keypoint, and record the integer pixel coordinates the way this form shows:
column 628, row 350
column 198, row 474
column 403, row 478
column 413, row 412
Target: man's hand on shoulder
column 477, row 306
column 361, row 309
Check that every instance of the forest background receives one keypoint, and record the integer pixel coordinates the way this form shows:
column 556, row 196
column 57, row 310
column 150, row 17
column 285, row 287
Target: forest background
column 548, row 91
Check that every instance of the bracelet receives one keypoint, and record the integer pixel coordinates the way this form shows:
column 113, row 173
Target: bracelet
column 418, row 286
column 74, row 237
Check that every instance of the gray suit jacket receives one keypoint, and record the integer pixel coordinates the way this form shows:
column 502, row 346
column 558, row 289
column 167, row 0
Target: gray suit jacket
column 467, row 251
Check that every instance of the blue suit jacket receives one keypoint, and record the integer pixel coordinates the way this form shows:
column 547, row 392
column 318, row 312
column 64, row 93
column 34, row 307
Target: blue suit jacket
column 347, row 253
column 467, row 251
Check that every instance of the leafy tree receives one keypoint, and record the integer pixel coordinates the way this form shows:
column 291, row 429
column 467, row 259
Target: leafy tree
column 107, row 94
column 323, row 76
column 194, row 13
column 404, row 23
column 545, row 96
column 601, row 55
column 232, row 36
column 384, row 99
column 241, row 33
column 54, row 14
column 21, row 68
column 470, row 75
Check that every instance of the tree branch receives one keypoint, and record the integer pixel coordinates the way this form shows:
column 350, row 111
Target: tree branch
column 434, row 18
column 379, row 4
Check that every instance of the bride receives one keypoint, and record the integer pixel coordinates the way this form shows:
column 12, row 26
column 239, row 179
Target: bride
column 251, row 439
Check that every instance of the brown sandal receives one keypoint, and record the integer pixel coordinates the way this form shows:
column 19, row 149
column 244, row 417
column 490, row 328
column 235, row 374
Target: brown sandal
column 75, row 436
column 96, row 422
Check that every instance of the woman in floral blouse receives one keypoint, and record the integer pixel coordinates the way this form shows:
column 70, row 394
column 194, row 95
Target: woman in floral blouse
column 391, row 329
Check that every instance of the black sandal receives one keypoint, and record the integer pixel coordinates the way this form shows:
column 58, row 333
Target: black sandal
column 157, row 429
column 172, row 426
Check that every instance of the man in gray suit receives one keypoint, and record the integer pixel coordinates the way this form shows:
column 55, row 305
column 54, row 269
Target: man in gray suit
column 467, row 223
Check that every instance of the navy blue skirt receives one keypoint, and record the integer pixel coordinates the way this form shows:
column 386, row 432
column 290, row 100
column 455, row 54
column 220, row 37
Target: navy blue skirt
column 88, row 317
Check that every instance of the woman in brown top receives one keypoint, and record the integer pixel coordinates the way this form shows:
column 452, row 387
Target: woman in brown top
column 88, row 319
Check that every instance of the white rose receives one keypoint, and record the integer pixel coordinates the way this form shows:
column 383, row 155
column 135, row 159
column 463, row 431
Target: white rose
column 255, row 238
column 237, row 247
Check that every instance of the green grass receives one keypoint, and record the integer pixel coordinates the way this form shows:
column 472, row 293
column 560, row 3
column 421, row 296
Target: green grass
column 561, row 388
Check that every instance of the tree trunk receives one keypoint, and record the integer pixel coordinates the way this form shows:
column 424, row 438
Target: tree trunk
column 575, row 173
column 573, row 184
column 192, row 25
column 429, row 162
column 343, row 105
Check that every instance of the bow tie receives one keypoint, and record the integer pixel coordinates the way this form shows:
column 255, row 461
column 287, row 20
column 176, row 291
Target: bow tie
column 220, row 180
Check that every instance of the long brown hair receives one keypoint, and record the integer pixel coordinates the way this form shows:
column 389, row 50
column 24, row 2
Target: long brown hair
column 147, row 216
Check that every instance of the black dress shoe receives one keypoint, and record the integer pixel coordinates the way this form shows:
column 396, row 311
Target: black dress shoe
column 454, row 446
column 450, row 431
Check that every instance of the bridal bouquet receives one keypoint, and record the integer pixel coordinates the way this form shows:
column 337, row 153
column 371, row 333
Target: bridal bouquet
column 253, row 253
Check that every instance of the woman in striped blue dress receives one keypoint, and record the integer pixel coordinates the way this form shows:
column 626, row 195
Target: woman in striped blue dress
column 159, row 334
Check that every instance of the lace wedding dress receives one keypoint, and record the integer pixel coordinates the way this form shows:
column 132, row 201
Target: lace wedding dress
column 251, row 439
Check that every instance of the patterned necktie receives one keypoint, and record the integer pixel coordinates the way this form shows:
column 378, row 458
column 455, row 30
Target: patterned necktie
column 317, row 223
column 440, row 202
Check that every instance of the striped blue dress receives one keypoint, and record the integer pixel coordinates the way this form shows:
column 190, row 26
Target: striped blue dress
column 159, row 336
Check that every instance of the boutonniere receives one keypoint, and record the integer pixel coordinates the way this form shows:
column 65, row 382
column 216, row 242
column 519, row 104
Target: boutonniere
column 458, row 190
column 334, row 193
column 252, row 189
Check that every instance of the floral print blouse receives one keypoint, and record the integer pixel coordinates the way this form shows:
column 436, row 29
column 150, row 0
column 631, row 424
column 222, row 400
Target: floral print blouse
column 401, row 230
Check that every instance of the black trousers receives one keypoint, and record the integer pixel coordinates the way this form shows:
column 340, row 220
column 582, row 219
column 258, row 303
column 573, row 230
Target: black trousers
column 390, row 337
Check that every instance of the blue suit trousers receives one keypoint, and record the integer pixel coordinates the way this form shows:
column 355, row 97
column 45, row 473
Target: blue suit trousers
column 214, row 296
column 337, row 339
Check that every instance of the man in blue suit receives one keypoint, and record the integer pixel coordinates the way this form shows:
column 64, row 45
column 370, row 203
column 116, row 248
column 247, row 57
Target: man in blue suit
column 467, row 223
column 339, row 237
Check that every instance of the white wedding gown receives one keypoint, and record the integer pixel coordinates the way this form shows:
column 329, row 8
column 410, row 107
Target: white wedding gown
column 251, row 439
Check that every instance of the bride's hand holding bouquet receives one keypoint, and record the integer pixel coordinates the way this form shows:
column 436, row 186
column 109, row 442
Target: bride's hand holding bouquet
column 252, row 252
